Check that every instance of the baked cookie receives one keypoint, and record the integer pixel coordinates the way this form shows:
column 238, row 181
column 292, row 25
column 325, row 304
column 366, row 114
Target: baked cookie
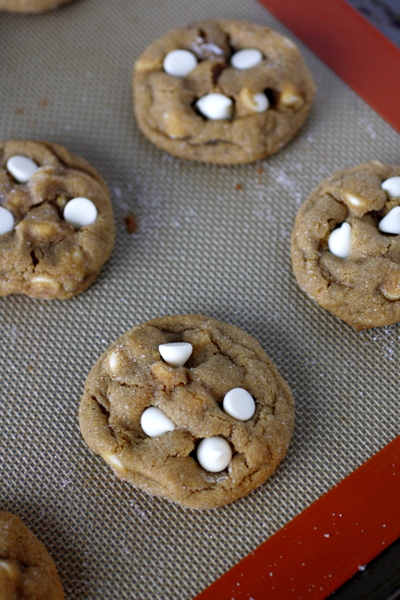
column 56, row 221
column 189, row 409
column 346, row 245
column 27, row 571
column 222, row 91
column 30, row 6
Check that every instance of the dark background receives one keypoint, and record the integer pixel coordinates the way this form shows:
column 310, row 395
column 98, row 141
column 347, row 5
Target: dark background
column 384, row 14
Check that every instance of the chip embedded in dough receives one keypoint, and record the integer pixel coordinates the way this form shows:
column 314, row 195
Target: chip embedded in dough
column 41, row 253
column 30, row 6
column 26, row 568
column 352, row 272
column 266, row 101
column 132, row 376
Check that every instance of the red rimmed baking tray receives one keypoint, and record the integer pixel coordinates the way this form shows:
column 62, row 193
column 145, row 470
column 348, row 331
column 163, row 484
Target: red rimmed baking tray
column 209, row 240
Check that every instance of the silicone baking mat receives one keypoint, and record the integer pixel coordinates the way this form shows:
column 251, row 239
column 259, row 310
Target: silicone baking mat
column 212, row 240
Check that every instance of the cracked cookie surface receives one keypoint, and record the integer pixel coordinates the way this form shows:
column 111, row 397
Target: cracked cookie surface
column 27, row 571
column 363, row 287
column 30, row 6
column 165, row 105
column 131, row 377
column 43, row 255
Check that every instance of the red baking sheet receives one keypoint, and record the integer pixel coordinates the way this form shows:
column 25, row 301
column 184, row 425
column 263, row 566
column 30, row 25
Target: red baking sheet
column 327, row 543
column 351, row 524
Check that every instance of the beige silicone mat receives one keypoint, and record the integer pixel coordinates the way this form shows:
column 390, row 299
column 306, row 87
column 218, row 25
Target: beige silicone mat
column 213, row 240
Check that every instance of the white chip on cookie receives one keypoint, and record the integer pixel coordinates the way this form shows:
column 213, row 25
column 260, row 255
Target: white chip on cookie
column 155, row 422
column 261, row 102
column 21, row 168
column 215, row 106
column 340, row 240
column 45, row 282
column 246, row 59
column 6, row 220
column 392, row 186
column 80, row 212
column 179, row 63
column 176, row 353
column 9, row 567
column 113, row 460
column 354, row 200
column 238, row 403
column 114, row 362
column 391, row 222
column 214, row 454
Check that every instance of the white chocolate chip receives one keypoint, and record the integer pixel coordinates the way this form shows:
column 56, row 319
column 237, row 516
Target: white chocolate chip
column 254, row 102
column 354, row 200
column 179, row 63
column 340, row 240
column 113, row 460
column 9, row 567
column 40, row 229
column 155, row 422
column 215, row 106
column 149, row 64
column 261, row 102
column 174, row 127
column 390, row 288
column 21, row 168
column 80, row 212
column 43, row 281
column 214, row 454
column 239, row 404
column 114, row 362
column 392, row 187
column 290, row 96
column 391, row 222
column 176, row 353
column 246, row 59
column 6, row 220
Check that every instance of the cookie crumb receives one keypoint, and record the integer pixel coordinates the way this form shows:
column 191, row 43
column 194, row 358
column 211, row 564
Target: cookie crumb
column 130, row 223
column 239, row 187
column 19, row 111
column 43, row 102
column 30, row 368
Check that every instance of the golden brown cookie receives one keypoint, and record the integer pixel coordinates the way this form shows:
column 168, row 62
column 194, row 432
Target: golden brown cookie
column 222, row 91
column 27, row 571
column 201, row 433
column 30, row 6
column 56, row 221
column 346, row 245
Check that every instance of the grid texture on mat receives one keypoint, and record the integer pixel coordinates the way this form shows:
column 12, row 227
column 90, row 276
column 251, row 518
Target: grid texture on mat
column 212, row 240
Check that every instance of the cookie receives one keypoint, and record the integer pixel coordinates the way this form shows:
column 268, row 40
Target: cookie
column 30, row 6
column 188, row 408
column 26, row 569
column 222, row 91
column 56, row 221
column 346, row 245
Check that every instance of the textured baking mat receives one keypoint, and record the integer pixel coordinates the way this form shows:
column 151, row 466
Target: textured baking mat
column 213, row 240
